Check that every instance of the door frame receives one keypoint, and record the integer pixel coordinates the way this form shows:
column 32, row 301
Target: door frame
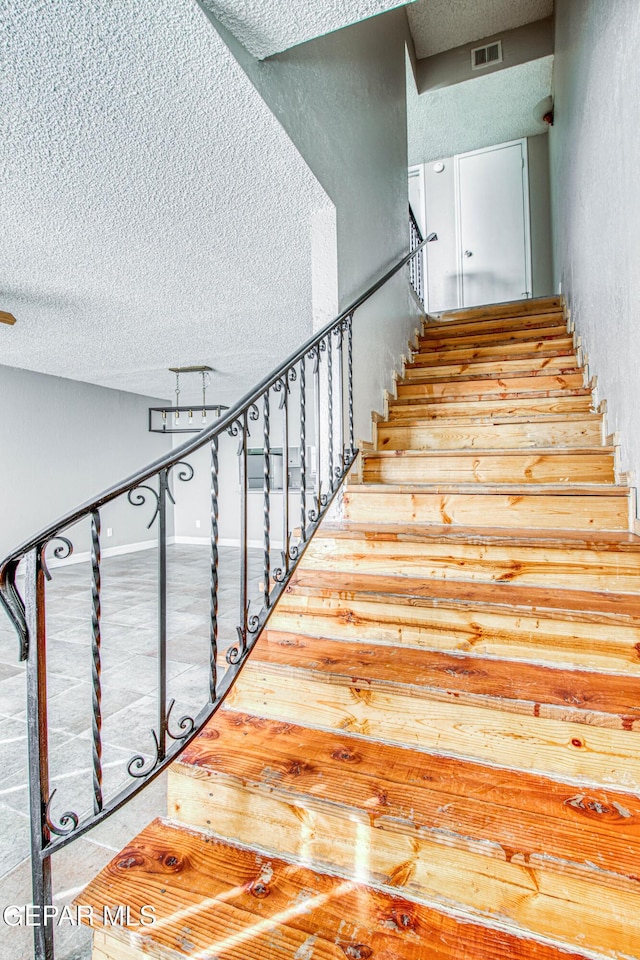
column 526, row 211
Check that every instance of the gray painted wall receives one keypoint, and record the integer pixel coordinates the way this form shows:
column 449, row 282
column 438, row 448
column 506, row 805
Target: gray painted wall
column 62, row 442
column 342, row 100
column 594, row 149
column 441, row 218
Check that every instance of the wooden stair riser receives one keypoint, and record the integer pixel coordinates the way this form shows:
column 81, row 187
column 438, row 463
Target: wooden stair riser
column 487, row 386
column 448, row 340
column 547, row 512
column 567, row 466
column 520, row 406
column 568, row 431
column 498, row 352
column 521, row 735
column 538, row 895
column 523, row 366
column 526, row 565
column 465, row 628
column 500, row 329
column 509, row 310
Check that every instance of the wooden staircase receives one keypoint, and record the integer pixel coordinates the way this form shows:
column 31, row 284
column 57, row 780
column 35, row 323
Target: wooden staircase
column 434, row 751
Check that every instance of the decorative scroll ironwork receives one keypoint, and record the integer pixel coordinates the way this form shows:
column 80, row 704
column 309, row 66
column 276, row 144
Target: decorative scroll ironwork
column 331, row 372
column 67, row 823
column 61, row 552
column 186, row 724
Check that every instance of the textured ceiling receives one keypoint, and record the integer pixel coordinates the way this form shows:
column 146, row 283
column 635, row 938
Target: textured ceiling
column 153, row 211
column 438, row 25
column 479, row 113
column 266, row 27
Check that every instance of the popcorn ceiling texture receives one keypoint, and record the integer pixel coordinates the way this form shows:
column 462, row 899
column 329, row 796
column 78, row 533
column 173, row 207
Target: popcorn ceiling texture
column 154, row 213
column 479, row 113
column 438, row 25
column 266, row 27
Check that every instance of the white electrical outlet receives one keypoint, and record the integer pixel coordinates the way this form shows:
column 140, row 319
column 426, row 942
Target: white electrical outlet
column 109, row 531
column 198, row 524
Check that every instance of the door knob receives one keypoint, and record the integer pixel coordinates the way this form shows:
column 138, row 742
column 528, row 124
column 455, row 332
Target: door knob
column 468, row 253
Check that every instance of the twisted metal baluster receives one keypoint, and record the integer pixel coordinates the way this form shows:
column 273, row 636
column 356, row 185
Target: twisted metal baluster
column 266, row 508
column 352, row 443
column 38, row 746
column 316, row 375
column 163, row 482
column 303, row 452
column 339, row 335
column 330, row 405
column 213, row 631
column 244, row 572
column 285, row 474
column 96, row 665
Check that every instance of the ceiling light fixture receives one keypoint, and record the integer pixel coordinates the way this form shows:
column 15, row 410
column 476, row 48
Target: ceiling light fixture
column 167, row 419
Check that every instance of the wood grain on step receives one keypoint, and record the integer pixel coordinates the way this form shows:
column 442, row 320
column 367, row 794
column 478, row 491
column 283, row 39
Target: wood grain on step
column 479, row 407
column 587, row 569
column 483, row 336
column 574, row 508
column 496, row 351
column 373, row 828
column 438, row 625
column 484, row 387
column 512, row 308
column 581, row 604
column 451, row 328
column 544, row 466
column 580, row 694
column 267, row 909
column 505, row 735
column 522, row 366
column 570, row 430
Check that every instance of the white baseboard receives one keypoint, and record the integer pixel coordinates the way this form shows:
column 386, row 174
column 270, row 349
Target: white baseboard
column 224, row 542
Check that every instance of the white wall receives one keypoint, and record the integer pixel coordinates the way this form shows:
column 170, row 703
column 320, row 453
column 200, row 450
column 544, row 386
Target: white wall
column 63, row 442
column 441, row 217
column 595, row 146
column 342, row 100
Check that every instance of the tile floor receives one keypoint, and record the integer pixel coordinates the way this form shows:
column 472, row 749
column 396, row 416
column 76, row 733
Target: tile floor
column 129, row 659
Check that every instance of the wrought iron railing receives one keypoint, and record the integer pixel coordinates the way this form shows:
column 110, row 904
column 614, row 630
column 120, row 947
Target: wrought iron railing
column 416, row 267
column 323, row 369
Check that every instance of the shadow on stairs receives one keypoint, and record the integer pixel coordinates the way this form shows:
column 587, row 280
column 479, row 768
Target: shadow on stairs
column 433, row 751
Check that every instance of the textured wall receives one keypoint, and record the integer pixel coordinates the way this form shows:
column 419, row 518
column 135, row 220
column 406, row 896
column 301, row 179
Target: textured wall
column 63, row 442
column 594, row 150
column 341, row 99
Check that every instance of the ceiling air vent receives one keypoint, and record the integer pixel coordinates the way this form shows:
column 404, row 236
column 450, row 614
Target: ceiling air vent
column 486, row 56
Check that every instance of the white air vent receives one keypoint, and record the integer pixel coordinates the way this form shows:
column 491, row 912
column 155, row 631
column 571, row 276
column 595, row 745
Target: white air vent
column 486, row 56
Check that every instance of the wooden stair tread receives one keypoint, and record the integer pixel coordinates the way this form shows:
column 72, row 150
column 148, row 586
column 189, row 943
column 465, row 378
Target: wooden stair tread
column 221, row 900
column 498, row 489
column 490, row 378
column 522, row 813
column 523, row 351
column 558, row 451
column 578, row 692
column 563, row 364
column 511, row 308
column 562, row 539
column 504, row 334
column 618, row 607
column 452, row 328
column 457, row 422
column 483, row 398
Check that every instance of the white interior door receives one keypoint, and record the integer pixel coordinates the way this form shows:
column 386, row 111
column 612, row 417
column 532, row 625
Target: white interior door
column 493, row 225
